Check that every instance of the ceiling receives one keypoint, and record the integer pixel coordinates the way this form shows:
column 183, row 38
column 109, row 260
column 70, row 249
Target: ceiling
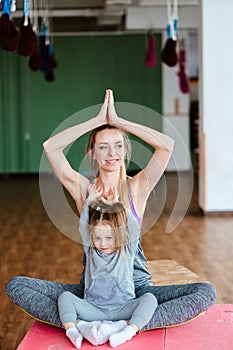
column 77, row 16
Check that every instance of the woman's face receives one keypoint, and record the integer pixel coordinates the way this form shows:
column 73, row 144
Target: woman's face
column 109, row 150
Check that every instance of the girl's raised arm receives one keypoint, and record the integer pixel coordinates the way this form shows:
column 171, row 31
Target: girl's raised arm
column 73, row 181
column 163, row 145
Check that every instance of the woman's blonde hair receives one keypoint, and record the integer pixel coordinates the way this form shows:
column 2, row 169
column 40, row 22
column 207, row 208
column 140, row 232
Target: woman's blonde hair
column 113, row 215
column 123, row 189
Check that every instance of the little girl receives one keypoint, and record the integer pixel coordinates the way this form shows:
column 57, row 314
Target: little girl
column 109, row 310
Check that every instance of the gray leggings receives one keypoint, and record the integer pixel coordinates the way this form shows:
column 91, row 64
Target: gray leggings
column 139, row 311
column 176, row 303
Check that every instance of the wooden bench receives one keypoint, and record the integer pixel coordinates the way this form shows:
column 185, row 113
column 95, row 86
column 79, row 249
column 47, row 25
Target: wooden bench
column 170, row 272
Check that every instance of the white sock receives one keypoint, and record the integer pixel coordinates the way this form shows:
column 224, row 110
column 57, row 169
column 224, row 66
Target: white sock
column 75, row 337
column 89, row 330
column 109, row 327
column 121, row 337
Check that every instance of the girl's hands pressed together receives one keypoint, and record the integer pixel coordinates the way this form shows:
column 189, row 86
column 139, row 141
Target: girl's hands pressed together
column 112, row 197
column 94, row 192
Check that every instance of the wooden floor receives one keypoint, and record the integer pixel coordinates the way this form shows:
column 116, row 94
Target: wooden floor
column 31, row 245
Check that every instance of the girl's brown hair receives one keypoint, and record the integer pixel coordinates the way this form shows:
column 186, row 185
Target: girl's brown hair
column 115, row 216
column 123, row 190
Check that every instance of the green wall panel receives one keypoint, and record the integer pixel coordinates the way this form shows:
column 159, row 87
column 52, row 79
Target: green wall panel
column 10, row 123
column 87, row 65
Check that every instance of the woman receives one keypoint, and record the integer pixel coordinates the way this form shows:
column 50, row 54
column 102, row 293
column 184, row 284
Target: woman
column 108, row 147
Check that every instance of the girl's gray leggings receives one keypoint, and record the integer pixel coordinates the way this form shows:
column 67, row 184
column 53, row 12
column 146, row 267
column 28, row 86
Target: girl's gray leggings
column 176, row 303
column 138, row 311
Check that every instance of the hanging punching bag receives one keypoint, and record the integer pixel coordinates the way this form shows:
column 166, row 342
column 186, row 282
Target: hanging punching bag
column 150, row 59
column 9, row 33
column 183, row 79
column 168, row 53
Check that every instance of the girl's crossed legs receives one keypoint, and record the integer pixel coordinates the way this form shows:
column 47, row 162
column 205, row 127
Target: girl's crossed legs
column 89, row 316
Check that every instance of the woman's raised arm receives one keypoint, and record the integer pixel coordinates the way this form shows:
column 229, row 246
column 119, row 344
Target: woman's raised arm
column 73, row 181
column 162, row 144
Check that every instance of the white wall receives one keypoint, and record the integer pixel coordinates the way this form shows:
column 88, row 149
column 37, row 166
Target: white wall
column 214, row 21
column 156, row 17
column 216, row 105
column 176, row 112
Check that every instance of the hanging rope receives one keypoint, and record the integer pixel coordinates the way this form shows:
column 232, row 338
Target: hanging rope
column 25, row 12
column 46, row 47
column 172, row 15
column 13, row 5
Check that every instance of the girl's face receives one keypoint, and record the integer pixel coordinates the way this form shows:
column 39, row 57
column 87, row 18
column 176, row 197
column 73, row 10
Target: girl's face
column 103, row 239
column 109, row 150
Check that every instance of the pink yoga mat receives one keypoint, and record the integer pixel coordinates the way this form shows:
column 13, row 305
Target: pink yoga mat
column 212, row 330
column 42, row 336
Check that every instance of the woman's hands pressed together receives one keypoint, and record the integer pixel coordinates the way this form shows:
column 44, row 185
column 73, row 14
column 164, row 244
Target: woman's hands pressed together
column 112, row 115
column 102, row 116
column 107, row 113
